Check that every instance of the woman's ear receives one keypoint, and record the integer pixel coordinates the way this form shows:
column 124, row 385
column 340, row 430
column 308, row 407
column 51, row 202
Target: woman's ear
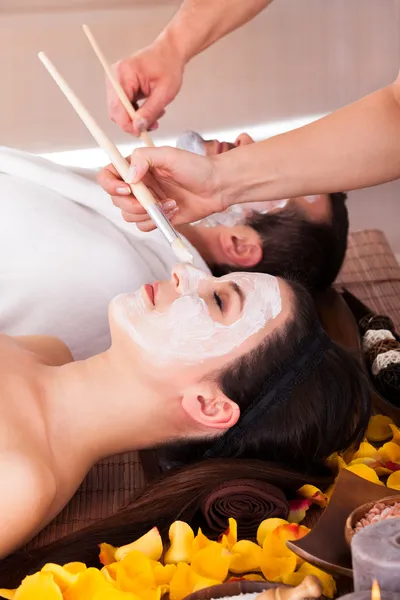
column 206, row 405
column 241, row 246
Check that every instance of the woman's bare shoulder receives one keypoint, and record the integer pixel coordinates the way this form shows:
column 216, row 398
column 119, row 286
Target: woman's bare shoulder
column 50, row 350
column 28, row 491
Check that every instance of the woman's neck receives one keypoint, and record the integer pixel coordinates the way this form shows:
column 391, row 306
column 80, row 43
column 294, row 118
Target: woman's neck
column 99, row 407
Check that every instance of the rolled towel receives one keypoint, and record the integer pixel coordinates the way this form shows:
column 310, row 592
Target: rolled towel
column 249, row 501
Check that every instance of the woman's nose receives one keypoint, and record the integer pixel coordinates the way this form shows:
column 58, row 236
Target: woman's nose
column 185, row 278
column 243, row 140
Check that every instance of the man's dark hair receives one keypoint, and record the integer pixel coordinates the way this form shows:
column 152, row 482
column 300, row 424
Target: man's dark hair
column 309, row 251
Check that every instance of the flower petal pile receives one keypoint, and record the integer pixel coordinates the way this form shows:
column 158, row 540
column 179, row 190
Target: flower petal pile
column 191, row 563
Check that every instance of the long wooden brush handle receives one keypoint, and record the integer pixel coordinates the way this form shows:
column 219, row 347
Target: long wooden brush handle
column 145, row 136
column 141, row 192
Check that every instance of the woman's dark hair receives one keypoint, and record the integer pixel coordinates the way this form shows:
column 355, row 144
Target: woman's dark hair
column 324, row 410
column 310, row 251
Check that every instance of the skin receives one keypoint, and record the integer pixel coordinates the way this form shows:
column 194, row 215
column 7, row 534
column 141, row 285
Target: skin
column 156, row 72
column 93, row 401
column 204, row 239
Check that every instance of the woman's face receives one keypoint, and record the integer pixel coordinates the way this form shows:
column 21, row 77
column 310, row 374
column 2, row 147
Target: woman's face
column 196, row 320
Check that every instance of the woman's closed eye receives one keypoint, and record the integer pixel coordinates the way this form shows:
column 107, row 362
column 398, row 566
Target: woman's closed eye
column 218, row 301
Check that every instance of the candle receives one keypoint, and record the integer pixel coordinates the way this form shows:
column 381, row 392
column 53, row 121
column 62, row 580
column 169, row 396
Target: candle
column 375, row 554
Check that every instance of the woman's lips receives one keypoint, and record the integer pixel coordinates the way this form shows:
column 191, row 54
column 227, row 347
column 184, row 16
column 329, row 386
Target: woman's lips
column 149, row 291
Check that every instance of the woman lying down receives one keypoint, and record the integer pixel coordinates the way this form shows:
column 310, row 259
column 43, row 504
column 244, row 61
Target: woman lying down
column 236, row 366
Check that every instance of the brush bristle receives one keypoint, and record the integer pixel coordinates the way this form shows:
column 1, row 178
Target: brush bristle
column 181, row 252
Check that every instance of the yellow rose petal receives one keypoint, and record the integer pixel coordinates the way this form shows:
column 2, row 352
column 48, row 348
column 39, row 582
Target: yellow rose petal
column 7, row 594
column 393, row 481
column 267, row 526
column 390, row 452
column 275, row 543
column 75, row 567
column 229, row 538
column 113, row 595
column 327, row 581
column 40, row 586
column 181, row 537
column 107, row 554
column 212, row 562
column 313, row 493
column 182, row 582
column 63, row 578
column 150, row 594
column 105, row 571
column 379, row 428
column 149, row 544
column 246, row 556
column 293, row 579
column 163, row 574
column 201, row 541
column 366, row 473
column 298, row 509
column 134, row 573
column 366, row 450
column 275, row 569
column 88, row 583
column 335, row 462
column 396, row 434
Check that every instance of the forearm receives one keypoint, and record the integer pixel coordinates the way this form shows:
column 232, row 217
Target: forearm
column 355, row 147
column 200, row 23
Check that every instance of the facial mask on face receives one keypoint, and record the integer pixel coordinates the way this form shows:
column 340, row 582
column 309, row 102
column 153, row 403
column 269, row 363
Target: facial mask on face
column 238, row 213
column 186, row 331
column 192, row 142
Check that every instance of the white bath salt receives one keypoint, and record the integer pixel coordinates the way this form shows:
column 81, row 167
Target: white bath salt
column 242, row 596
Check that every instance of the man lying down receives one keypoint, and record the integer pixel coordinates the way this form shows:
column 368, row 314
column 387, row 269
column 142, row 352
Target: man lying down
column 66, row 251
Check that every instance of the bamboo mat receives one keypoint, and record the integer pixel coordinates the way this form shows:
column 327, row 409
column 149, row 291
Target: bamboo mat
column 370, row 272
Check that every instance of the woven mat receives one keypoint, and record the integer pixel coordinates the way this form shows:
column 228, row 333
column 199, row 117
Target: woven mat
column 370, row 272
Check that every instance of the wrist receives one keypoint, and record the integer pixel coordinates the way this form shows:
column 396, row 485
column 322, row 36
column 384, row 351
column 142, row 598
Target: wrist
column 222, row 181
column 173, row 41
column 225, row 189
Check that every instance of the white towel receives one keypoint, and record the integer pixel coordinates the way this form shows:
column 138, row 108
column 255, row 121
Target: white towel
column 65, row 252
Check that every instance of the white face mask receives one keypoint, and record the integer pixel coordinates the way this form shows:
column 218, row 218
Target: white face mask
column 192, row 142
column 186, row 331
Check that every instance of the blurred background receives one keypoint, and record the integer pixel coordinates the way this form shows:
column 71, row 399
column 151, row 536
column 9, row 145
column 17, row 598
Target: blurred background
column 297, row 60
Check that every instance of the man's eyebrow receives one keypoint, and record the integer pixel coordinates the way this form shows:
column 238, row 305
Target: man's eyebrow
column 239, row 292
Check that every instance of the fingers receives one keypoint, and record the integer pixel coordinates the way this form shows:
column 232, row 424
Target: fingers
column 111, row 182
column 131, row 206
column 152, row 109
column 144, row 159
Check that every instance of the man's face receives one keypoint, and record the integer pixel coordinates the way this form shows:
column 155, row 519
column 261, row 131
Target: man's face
column 316, row 208
column 213, row 147
column 194, row 142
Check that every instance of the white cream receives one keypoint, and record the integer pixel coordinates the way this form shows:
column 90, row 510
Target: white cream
column 192, row 142
column 186, row 331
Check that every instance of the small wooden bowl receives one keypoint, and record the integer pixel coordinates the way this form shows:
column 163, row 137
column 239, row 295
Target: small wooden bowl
column 362, row 510
column 233, row 588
